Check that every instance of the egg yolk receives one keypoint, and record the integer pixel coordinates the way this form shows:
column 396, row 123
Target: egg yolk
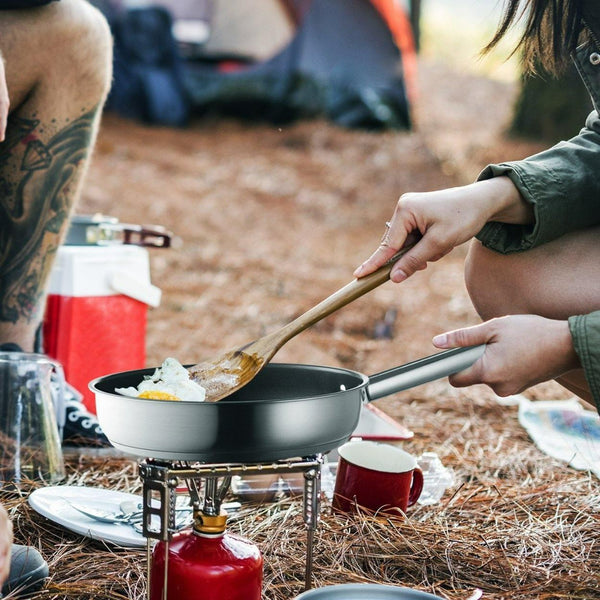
column 156, row 395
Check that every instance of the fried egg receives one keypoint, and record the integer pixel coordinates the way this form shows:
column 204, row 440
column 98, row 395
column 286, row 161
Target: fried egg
column 170, row 381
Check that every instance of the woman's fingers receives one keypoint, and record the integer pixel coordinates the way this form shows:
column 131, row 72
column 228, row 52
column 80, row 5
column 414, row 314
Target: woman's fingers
column 393, row 239
column 460, row 338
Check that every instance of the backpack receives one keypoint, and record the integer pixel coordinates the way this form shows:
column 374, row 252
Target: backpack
column 147, row 79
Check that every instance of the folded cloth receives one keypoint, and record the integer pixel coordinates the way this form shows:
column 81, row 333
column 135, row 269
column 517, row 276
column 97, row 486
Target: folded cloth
column 563, row 429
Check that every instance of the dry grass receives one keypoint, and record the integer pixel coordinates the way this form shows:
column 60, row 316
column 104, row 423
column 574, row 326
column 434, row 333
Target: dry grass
column 517, row 524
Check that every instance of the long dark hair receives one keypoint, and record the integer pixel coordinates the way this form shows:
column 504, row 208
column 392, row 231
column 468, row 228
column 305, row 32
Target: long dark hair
column 551, row 32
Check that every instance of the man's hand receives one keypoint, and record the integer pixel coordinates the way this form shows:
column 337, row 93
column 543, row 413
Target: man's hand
column 6, row 539
column 4, row 101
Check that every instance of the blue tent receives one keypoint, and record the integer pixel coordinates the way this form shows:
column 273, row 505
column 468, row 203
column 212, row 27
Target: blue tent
column 343, row 61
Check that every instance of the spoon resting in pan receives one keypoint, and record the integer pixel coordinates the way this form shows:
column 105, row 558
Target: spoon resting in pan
column 224, row 374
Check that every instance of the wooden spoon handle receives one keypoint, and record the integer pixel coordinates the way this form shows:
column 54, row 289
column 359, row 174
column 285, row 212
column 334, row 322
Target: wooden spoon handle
column 350, row 292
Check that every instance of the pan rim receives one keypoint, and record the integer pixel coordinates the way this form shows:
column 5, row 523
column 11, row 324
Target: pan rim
column 364, row 381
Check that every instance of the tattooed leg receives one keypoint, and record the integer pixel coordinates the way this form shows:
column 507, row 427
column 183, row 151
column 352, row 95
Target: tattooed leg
column 51, row 131
column 37, row 195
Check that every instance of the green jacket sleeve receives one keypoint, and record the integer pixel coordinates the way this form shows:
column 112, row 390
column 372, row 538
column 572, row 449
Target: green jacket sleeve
column 561, row 183
column 585, row 331
column 563, row 186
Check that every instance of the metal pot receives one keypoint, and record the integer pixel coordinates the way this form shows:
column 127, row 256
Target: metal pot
column 286, row 411
column 365, row 591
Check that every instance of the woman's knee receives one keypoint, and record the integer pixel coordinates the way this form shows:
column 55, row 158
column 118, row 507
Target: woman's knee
column 555, row 280
column 489, row 281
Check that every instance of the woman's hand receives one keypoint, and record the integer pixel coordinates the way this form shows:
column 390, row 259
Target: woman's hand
column 6, row 539
column 521, row 351
column 444, row 219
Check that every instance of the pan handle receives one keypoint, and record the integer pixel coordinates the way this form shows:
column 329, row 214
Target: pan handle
column 422, row 370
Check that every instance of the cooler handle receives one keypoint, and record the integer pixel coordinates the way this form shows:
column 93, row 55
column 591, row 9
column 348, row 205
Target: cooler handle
column 155, row 236
column 124, row 283
column 144, row 235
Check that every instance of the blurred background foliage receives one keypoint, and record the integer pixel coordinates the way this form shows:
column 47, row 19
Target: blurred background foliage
column 547, row 108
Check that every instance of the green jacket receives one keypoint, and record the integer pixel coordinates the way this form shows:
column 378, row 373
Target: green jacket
column 563, row 186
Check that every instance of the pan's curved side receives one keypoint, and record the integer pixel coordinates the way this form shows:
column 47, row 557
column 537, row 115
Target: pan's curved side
column 287, row 411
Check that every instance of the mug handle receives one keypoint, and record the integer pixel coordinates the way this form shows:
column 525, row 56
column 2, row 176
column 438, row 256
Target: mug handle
column 416, row 487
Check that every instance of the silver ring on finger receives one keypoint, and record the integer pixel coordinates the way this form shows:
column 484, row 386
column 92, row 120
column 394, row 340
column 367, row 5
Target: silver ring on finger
column 385, row 240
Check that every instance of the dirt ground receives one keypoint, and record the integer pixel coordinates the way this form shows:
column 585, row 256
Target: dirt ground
column 269, row 220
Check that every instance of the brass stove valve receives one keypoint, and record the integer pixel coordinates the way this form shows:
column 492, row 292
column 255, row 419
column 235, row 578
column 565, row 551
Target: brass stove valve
column 205, row 523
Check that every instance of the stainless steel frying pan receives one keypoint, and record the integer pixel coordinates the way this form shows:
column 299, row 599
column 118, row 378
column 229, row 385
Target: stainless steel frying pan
column 287, row 411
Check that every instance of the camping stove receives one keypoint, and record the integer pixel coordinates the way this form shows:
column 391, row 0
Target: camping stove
column 207, row 485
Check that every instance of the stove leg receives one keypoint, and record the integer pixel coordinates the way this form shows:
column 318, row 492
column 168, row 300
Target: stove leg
column 148, row 567
column 166, row 573
column 312, row 505
column 310, row 536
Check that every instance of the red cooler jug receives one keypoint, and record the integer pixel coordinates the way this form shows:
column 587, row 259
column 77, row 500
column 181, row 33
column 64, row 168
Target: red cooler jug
column 100, row 290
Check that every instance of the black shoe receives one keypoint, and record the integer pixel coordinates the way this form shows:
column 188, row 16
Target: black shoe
column 10, row 347
column 28, row 570
column 82, row 427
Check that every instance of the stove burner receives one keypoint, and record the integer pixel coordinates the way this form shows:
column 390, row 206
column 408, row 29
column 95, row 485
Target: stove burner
column 161, row 480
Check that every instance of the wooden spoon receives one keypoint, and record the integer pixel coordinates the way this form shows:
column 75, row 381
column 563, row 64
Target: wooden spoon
column 223, row 375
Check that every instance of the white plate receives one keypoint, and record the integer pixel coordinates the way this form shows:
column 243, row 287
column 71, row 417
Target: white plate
column 53, row 502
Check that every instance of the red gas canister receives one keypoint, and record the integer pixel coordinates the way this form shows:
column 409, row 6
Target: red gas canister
column 100, row 290
column 207, row 563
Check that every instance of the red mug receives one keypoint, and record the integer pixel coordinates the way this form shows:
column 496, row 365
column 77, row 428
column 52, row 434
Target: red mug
column 377, row 477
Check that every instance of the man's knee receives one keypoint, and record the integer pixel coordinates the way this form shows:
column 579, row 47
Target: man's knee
column 60, row 53
column 84, row 45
